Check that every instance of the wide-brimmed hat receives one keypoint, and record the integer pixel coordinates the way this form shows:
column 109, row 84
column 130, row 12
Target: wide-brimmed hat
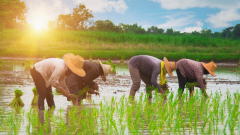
column 210, row 67
column 170, row 66
column 74, row 63
column 106, row 69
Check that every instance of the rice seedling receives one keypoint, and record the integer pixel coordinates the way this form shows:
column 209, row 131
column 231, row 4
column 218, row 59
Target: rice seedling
column 122, row 59
column 195, row 115
column 35, row 96
column 17, row 101
column 27, row 65
column 114, row 68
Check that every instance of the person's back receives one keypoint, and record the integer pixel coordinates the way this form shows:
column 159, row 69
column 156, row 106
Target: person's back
column 146, row 64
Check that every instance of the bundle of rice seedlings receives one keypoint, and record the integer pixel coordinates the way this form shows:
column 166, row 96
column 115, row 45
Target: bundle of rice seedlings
column 17, row 101
column 35, row 97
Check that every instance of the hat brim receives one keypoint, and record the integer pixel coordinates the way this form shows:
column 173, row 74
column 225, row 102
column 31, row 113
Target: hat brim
column 207, row 68
column 167, row 66
column 104, row 76
column 68, row 60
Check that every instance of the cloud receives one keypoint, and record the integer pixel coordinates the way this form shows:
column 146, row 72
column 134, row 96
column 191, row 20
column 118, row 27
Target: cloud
column 176, row 21
column 199, row 23
column 223, row 18
column 227, row 14
column 40, row 12
column 184, row 4
column 104, row 5
column 191, row 29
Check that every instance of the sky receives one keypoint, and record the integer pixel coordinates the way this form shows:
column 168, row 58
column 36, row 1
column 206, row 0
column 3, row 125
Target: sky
column 180, row 15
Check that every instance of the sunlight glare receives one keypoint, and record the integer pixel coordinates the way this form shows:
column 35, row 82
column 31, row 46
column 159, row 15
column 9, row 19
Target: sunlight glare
column 38, row 26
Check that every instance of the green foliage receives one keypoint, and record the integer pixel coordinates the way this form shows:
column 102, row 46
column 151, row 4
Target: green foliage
column 236, row 31
column 12, row 12
column 155, row 30
column 169, row 31
column 122, row 59
column 106, row 25
column 105, row 45
column 74, row 21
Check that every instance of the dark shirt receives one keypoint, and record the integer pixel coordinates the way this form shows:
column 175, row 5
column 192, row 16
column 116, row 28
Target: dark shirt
column 147, row 65
column 76, row 83
column 192, row 70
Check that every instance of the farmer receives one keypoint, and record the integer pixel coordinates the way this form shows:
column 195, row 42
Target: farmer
column 52, row 72
column 147, row 68
column 192, row 71
column 76, row 84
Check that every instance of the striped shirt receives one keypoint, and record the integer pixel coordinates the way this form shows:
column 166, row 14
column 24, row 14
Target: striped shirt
column 192, row 70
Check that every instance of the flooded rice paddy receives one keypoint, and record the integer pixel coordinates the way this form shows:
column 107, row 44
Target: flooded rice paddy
column 117, row 86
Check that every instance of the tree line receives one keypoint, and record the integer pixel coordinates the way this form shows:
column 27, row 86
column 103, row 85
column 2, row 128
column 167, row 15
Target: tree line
column 12, row 15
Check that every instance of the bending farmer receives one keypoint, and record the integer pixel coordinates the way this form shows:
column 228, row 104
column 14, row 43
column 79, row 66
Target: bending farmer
column 52, row 72
column 192, row 71
column 146, row 68
column 77, row 85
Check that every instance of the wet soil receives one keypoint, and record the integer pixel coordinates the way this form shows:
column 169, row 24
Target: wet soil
column 113, row 80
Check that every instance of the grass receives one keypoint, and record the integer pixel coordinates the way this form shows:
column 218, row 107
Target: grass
column 20, row 43
column 195, row 115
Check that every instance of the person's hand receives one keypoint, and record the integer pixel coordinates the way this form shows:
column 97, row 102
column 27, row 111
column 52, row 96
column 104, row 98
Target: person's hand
column 95, row 87
column 64, row 92
column 161, row 91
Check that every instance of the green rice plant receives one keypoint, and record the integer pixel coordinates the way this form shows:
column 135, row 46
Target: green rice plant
column 1, row 61
column 35, row 96
column 122, row 59
column 17, row 101
column 27, row 65
column 114, row 68
column 109, row 62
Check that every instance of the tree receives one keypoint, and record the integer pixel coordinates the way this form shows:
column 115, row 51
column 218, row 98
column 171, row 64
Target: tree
column 169, row 31
column 155, row 30
column 135, row 29
column 206, row 32
column 75, row 21
column 12, row 12
column 236, row 31
column 228, row 32
column 106, row 25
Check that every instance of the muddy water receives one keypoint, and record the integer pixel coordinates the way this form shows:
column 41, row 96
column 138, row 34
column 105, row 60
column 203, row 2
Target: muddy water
column 13, row 76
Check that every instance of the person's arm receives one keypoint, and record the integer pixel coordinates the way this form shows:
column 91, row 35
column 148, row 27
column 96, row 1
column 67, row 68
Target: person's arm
column 154, row 79
column 57, row 73
column 199, row 77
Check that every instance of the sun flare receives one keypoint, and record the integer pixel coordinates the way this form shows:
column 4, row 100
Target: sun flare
column 38, row 26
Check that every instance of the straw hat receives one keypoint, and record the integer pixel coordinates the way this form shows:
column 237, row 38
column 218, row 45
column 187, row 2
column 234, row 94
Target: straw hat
column 210, row 67
column 170, row 66
column 74, row 63
column 106, row 69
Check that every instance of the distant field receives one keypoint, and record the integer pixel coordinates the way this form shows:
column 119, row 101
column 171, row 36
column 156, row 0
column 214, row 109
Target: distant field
column 22, row 43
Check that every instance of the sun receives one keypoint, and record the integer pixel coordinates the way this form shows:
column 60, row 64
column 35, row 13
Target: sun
column 38, row 26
